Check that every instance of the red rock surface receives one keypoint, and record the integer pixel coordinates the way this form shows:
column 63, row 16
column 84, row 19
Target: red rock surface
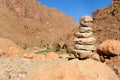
column 51, row 55
column 72, row 70
column 109, row 48
column 13, row 51
column 30, row 23
column 107, row 22
column 9, row 48
column 114, row 64
column 64, row 56
column 33, row 56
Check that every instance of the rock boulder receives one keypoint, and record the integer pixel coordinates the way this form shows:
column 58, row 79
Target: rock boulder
column 109, row 48
column 72, row 70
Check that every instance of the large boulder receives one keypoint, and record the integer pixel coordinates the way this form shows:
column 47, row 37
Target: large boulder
column 114, row 64
column 9, row 48
column 109, row 48
column 72, row 70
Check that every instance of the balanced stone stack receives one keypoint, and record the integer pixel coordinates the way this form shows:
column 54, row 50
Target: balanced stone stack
column 84, row 41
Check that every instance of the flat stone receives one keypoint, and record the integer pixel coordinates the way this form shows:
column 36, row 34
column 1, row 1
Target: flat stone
column 85, row 47
column 86, row 19
column 85, row 41
column 83, row 35
column 85, row 29
column 85, row 24
column 83, row 53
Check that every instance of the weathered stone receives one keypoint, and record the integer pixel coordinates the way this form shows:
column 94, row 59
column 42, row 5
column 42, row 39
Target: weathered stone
column 85, row 47
column 85, row 29
column 114, row 64
column 51, row 55
column 64, row 56
column 109, row 48
column 90, row 40
column 86, row 19
column 70, row 70
column 82, row 53
column 84, row 42
column 83, row 35
column 33, row 55
column 86, row 24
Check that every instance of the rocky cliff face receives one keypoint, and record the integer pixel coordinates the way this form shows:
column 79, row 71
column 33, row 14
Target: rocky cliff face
column 29, row 23
column 107, row 22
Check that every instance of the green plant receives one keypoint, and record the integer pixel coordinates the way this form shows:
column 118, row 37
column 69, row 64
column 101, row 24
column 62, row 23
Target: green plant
column 57, row 48
column 42, row 52
column 0, row 55
column 25, row 46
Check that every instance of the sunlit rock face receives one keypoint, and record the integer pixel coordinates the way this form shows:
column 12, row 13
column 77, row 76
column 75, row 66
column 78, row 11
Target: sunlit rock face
column 107, row 22
column 30, row 23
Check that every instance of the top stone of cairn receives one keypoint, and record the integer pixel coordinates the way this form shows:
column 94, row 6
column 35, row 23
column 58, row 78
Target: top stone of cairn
column 86, row 19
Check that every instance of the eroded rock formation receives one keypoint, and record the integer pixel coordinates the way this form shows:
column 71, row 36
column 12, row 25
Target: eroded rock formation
column 30, row 23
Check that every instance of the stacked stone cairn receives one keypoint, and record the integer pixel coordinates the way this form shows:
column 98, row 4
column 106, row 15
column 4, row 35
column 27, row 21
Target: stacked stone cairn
column 84, row 41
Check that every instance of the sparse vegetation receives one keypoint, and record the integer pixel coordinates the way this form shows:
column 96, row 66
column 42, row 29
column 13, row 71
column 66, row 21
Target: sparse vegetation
column 0, row 55
column 42, row 51
column 57, row 48
column 25, row 46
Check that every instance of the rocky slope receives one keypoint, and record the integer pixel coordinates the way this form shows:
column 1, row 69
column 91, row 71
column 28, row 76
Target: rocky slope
column 29, row 23
column 107, row 22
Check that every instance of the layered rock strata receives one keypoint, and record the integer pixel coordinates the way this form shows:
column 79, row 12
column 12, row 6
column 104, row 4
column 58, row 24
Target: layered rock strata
column 84, row 42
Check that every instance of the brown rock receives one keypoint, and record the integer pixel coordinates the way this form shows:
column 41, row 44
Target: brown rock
column 33, row 55
column 25, row 55
column 39, row 56
column 107, row 22
column 114, row 64
column 64, row 56
column 9, row 48
column 109, row 48
column 85, row 47
column 13, row 51
column 30, row 23
column 85, row 41
column 72, row 70
column 86, row 21
column 51, row 55
column 29, row 55
column 83, row 35
column 82, row 54
column 84, row 24
column 85, row 29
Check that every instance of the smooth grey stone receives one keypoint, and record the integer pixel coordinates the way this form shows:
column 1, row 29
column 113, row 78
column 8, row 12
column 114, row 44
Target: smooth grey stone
column 85, row 29
column 83, row 35
column 85, row 47
column 85, row 41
